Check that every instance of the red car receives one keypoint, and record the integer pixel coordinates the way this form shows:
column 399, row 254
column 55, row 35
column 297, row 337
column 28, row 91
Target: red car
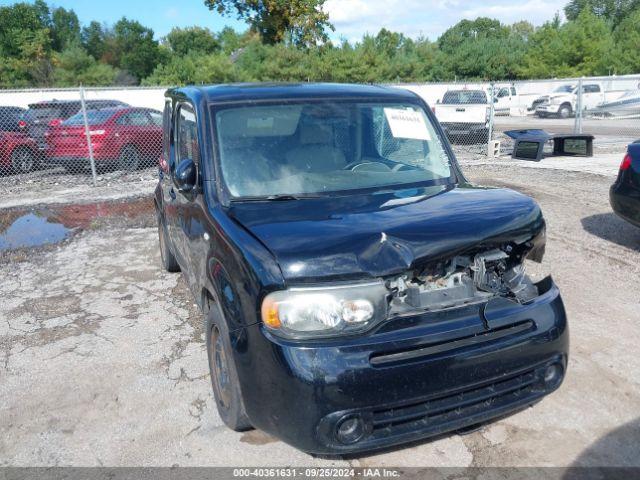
column 120, row 137
column 17, row 150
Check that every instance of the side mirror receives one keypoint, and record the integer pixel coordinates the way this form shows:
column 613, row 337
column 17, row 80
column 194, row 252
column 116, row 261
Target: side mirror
column 495, row 100
column 185, row 176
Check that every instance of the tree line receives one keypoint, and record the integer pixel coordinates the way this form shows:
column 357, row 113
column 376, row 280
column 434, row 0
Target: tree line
column 43, row 46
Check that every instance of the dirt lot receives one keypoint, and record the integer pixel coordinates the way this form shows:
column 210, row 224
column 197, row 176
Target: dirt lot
column 102, row 359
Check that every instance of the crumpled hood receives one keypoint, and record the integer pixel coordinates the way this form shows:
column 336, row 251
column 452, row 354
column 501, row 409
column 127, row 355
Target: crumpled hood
column 379, row 235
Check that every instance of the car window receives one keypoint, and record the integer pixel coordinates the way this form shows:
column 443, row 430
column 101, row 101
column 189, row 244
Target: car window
column 187, row 135
column 70, row 109
column 9, row 118
column 134, row 119
column 591, row 88
column 156, row 118
column 460, row 97
column 564, row 89
column 43, row 112
column 139, row 119
column 327, row 147
column 513, row 90
column 504, row 92
column 94, row 117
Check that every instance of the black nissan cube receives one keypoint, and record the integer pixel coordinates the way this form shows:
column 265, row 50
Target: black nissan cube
column 358, row 291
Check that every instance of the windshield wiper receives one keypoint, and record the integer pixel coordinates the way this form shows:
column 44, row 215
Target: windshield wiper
column 274, row 198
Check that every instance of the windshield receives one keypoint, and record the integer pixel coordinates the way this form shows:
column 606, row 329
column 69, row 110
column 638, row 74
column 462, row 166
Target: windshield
column 94, row 117
column 461, row 97
column 564, row 89
column 320, row 147
column 43, row 112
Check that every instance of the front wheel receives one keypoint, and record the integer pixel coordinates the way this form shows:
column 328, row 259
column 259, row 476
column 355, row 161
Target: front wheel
column 565, row 111
column 169, row 262
column 224, row 377
column 22, row 160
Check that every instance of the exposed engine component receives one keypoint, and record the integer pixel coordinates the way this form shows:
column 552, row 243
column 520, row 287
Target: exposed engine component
column 463, row 280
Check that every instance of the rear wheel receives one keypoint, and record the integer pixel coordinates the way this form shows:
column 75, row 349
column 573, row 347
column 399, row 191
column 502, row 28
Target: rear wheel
column 169, row 261
column 129, row 159
column 22, row 160
column 224, row 378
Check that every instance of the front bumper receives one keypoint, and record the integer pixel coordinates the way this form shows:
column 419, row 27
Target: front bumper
column 547, row 109
column 412, row 378
column 625, row 202
column 464, row 128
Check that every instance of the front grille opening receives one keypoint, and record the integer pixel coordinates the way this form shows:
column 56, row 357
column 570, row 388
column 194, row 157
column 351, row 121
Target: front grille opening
column 462, row 404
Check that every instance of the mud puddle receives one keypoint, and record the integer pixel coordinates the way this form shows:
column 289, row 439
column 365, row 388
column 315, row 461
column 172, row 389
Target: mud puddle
column 40, row 226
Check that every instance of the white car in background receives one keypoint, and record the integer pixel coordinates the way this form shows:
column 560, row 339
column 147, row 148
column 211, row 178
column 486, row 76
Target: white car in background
column 464, row 116
column 563, row 101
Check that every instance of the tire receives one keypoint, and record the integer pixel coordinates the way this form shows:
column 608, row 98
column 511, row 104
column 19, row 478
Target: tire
column 22, row 160
column 565, row 111
column 169, row 262
column 224, row 377
column 129, row 158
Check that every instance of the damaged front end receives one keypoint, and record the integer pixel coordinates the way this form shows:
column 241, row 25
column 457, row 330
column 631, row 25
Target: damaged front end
column 470, row 278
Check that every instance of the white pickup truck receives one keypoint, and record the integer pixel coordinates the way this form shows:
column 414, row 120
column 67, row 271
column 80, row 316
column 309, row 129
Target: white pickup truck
column 563, row 101
column 464, row 116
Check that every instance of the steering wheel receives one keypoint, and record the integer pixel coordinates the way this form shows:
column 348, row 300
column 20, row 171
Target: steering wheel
column 360, row 163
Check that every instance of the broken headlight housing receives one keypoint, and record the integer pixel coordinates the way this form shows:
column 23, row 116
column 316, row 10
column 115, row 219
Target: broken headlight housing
column 325, row 311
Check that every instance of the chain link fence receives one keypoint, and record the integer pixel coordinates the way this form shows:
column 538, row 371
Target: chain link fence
column 476, row 116
column 98, row 149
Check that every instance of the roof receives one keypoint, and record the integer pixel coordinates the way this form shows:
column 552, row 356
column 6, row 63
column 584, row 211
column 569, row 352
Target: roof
column 55, row 101
column 273, row 91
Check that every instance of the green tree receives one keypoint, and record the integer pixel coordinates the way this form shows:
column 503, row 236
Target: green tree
column 134, row 48
column 194, row 69
column 627, row 44
column 182, row 41
column 612, row 10
column 481, row 49
column 583, row 46
column 303, row 22
column 25, row 45
column 93, row 39
column 471, row 30
column 74, row 66
column 65, row 28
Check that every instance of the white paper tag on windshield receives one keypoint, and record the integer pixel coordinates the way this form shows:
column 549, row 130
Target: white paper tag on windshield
column 407, row 124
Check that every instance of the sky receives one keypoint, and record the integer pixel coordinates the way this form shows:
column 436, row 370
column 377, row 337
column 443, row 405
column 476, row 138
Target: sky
column 352, row 18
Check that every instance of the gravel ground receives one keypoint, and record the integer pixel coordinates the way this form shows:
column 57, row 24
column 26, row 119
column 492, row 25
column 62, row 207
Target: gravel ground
column 57, row 186
column 102, row 357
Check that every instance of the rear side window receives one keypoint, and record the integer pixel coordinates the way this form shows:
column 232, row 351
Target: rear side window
column 187, row 135
column 156, row 118
column 134, row 119
column 43, row 112
column 94, row 117
column 591, row 88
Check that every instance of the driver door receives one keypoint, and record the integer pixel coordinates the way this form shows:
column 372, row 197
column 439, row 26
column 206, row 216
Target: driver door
column 187, row 227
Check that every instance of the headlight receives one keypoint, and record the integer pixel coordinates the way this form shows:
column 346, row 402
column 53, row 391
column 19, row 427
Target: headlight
column 324, row 311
